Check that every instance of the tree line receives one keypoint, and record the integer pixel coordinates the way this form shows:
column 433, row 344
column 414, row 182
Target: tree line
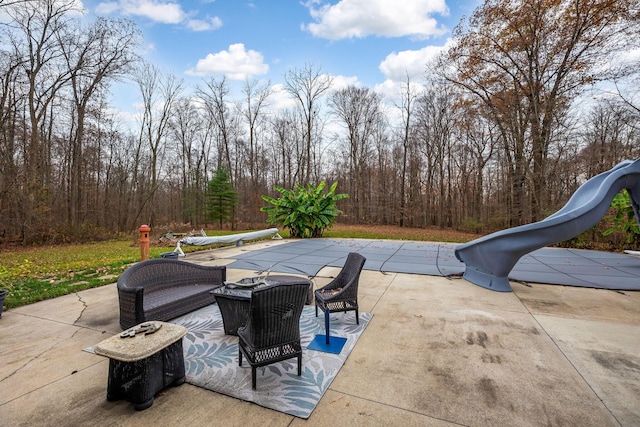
column 498, row 132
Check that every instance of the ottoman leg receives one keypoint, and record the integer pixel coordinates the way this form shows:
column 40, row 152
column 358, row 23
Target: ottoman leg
column 174, row 370
column 144, row 405
column 150, row 381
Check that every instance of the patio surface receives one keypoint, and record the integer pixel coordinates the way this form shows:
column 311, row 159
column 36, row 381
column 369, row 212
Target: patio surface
column 437, row 352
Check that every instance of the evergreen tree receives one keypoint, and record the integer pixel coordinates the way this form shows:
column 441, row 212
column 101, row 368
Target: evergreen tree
column 221, row 197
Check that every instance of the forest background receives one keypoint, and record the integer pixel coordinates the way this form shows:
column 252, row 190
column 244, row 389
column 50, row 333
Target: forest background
column 533, row 98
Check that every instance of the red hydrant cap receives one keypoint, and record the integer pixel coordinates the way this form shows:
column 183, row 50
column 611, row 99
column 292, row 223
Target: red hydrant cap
column 145, row 227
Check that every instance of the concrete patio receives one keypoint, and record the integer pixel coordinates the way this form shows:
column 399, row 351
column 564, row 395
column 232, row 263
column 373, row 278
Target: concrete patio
column 438, row 352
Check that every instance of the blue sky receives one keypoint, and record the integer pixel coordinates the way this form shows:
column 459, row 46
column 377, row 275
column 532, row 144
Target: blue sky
column 373, row 43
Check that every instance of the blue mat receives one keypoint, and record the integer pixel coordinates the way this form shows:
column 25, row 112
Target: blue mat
column 308, row 256
column 319, row 343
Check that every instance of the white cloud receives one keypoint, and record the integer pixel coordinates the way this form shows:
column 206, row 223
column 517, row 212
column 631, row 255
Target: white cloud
column 204, row 25
column 388, row 88
column 165, row 12
column 78, row 7
column 387, row 18
column 342, row 82
column 236, row 63
column 280, row 99
column 107, row 8
column 396, row 66
column 411, row 64
column 391, row 92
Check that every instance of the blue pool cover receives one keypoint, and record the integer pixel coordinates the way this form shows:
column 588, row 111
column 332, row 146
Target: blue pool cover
column 572, row 267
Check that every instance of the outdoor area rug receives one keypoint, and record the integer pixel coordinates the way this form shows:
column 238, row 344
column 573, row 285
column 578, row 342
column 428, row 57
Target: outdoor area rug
column 211, row 361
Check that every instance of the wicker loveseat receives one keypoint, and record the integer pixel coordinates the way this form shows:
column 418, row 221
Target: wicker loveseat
column 162, row 289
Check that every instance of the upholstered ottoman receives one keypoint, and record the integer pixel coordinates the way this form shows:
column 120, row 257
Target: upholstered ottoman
column 143, row 364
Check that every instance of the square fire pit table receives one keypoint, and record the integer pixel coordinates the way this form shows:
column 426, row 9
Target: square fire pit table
column 234, row 300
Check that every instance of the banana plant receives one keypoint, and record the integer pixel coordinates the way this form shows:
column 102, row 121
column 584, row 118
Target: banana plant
column 304, row 211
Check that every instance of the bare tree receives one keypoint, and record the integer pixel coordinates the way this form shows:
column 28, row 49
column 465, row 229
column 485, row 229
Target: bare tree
column 255, row 100
column 119, row 159
column 215, row 98
column 7, row 3
column 12, row 101
column 406, row 106
column 189, row 133
column 256, row 95
column 475, row 146
column 159, row 92
column 37, row 29
column 101, row 53
column 609, row 135
column 383, row 183
column 359, row 111
column 307, row 85
column 286, row 151
column 435, row 128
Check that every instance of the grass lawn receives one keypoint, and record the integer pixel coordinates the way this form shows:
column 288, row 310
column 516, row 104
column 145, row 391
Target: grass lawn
column 37, row 273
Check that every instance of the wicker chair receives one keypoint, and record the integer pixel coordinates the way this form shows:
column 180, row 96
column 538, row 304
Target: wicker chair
column 272, row 332
column 341, row 294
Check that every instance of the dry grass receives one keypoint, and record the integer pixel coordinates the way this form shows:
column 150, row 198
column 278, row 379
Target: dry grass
column 400, row 233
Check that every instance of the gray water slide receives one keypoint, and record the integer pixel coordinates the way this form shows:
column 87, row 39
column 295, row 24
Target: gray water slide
column 489, row 259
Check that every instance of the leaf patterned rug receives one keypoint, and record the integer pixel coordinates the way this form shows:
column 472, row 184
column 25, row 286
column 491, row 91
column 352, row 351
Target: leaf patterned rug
column 211, row 361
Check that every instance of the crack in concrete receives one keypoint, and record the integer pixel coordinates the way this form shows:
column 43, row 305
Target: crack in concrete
column 84, row 307
column 37, row 356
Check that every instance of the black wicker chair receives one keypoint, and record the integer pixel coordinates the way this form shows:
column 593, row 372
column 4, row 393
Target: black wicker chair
column 341, row 294
column 272, row 332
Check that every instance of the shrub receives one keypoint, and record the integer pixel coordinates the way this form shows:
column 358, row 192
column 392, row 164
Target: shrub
column 471, row 225
column 305, row 212
column 624, row 220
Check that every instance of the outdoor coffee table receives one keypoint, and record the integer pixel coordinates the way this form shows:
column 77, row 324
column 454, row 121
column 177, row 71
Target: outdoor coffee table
column 142, row 365
column 234, row 301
